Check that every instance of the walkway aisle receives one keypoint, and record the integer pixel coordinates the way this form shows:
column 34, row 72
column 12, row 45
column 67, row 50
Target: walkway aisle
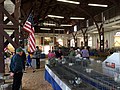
column 35, row 81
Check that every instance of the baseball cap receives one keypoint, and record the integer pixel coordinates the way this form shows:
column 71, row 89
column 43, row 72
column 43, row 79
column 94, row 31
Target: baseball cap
column 19, row 50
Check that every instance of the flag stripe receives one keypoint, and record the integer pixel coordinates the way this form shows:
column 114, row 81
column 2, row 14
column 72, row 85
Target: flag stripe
column 32, row 37
column 32, row 41
column 32, row 46
column 5, row 49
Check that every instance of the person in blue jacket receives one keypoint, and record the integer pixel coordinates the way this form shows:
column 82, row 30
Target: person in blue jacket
column 29, row 61
column 17, row 69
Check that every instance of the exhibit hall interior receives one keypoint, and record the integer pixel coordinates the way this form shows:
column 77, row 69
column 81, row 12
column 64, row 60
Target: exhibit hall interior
column 59, row 45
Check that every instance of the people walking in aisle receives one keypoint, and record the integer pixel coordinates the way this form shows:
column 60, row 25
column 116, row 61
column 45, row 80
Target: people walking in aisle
column 16, row 69
column 37, row 55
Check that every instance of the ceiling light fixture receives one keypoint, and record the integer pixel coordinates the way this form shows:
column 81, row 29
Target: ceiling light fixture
column 65, row 25
column 77, row 18
column 54, row 16
column 95, row 32
column 98, row 5
column 68, row 1
column 49, row 24
column 59, row 29
column 45, row 28
column 116, row 26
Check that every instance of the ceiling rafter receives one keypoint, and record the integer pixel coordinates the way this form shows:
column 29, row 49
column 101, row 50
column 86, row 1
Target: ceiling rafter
column 1, row 1
column 40, row 6
column 44, row 7
column 114, row 2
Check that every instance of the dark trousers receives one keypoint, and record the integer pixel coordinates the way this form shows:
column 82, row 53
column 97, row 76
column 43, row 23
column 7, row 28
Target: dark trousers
column 17, row 81
column 37, row 63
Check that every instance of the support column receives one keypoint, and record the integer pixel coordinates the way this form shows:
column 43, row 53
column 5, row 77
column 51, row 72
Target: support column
column 75, row 38
column 68, row 43
column 101, row 34
column 85, row 36
column 2, row 66
column 17, row 16
column 86, row 39
column 75, row 42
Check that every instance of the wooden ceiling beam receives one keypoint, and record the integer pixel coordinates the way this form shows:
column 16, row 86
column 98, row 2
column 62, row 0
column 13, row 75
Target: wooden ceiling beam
column 1, row 1
column 7, row 20
column 9, row 39
column 52, row 27
column 48, row 9
column 9, row 16
column 41, row 5
column 7, row 42
column 10, row 27
column 114, row 2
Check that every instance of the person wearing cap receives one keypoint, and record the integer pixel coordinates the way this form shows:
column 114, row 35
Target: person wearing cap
column 16, row 69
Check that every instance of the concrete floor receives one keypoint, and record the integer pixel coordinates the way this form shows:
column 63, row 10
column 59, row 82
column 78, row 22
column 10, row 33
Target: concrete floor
column 35, row 81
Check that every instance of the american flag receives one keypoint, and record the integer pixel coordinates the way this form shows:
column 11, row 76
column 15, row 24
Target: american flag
column 28, row 26
column 5, row 49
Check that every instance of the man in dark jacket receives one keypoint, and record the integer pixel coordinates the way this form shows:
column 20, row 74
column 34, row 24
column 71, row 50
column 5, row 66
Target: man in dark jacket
column 16, row 69
column 24, row 59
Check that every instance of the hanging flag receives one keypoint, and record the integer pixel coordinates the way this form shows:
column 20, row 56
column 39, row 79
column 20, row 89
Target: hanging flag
column 5, row 49
column 28, row 26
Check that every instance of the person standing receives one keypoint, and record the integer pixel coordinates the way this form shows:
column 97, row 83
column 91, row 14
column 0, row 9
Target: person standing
column 72, row 52
column 78, row 54
column 85, row 53
column 24, row 60
column 16, row 69
column 37, row 55
column 59, row 54
column 51, row 54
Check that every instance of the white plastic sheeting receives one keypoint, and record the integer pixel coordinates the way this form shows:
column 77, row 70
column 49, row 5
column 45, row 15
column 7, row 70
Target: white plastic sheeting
column 111, row 65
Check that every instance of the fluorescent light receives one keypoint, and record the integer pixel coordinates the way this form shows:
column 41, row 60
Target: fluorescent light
column 95, row 32
column 65, row 25
column 116, row 26
column 59, row 29
column 45, row 28
column 54, row 16
column 77, row 18
column 98, row 5
column 49, row 24
column 68, row 1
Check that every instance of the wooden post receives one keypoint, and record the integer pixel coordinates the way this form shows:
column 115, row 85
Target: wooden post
column 86, row 39
column 85, row 36
column 101, row 33
column 75, row 38
column 102, row 39
column 17, row 16
column 2, row 66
